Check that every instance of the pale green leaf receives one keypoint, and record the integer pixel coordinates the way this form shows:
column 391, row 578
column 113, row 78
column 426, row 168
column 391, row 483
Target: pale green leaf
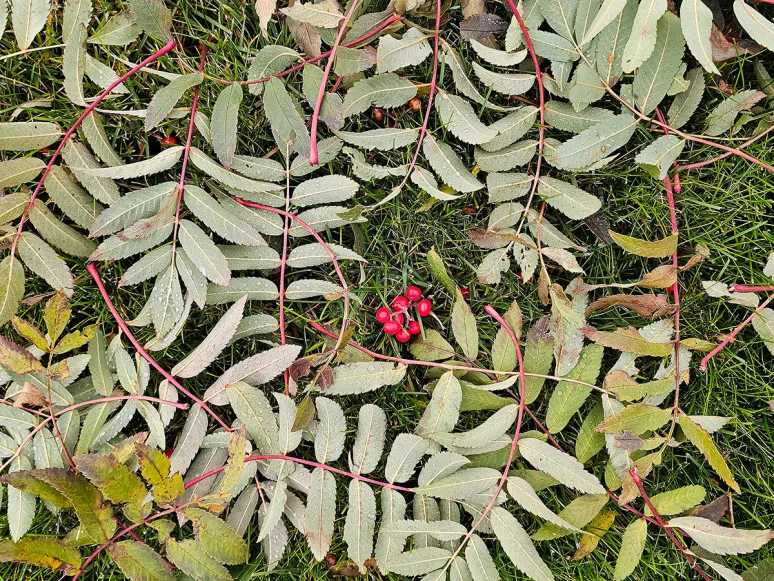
column 165, row 99
column 721, row 540
column 518, row 546
column 643, row 39
column 560, row 465
column 395, row 53
column 225, row 116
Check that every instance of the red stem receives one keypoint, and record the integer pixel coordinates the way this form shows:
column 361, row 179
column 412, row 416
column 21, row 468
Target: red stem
column 305, row 462
column 283, row 268
column 371, row 33
column 699, row 164
column 515, row 442
column 734, row 333
column 187, row 153
column 164, row 50
column 92, row 269
column 667, row 530
column 740, row 288
column 322, row 243
column 313, row 156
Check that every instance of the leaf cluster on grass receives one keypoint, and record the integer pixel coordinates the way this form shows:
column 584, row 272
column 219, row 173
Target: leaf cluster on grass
column 160, row 478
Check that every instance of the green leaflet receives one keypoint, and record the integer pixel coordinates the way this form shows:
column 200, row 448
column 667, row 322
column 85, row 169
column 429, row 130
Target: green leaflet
column 406, row 452
column 284, row 118
column 158, row 163
column 567, row 398
column 360, row 522
column 166, row 301
column 523, row 493
column 71, row 198
column 655, row 75
column 393, row 53
column 722, row 117
column 329, row 438
column 369, row 442
column 658, row 157
column 560, row 465
column 518, row 546
column 254, row 410
column 449, row 166
column 225, row 117
column 696, row 20
column 442, row 412
column 385, row 90
column 637, row 418
column 699, row 437
column 28, row 18
column 755, row 24
column 27, row 136
column 676, row 501
column 589, row 442
column 153, row 17
column 42, row 551
column 632, row 545
column 18, row 171
column 218, row 540
column 597, row 142
column 165, row 99
column 11, row 287
column 382, row 139
column 204, row 254
column 609, row 10
column 721, row 540
column 139, row 562
column 320, row 512
column 41, row 259
column 189, row 558
column 464, row 327
column 419, row 561
column 458, row 115
column 643, row 39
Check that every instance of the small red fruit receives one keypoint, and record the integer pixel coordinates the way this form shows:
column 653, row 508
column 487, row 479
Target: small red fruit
column 414, row 293
column 414, row 328
column 399, row 317
column 469, row 210
column 400, row 303
column 383, row 315
column 424, row 307
column 415, row 104
column 465, row 292
column 391, row 327
column 169, row 140
column 378, row 114
column 45, row 149
column 403, row 336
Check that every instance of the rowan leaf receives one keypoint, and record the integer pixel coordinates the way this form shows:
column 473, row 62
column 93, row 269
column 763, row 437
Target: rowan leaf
column 369, row 441
column 11, row 287
column 628, row 340
column 225, row 116
column 632, row 545
column 721, row 540
column 42, row 551
column 153, row 17
column 165, row 99
column 657, row 249
column 191, row 560
column 158, row 163
column 560, row 465
column 518, row 546
column 597, row 142
column 638, row 418
column 254, row 410
column 320, row 512
column 396, row 53
column 139, row 562
column 659, row 156
column 677, row 500
column 755, row 24
column 504, row 83
column 324, row 14
column 385, row 90
column 41, row 259
column 568, row 199
column 406, row 452
column 699, row 437
column 643, row 39
column 458, row 115
column 568, row 397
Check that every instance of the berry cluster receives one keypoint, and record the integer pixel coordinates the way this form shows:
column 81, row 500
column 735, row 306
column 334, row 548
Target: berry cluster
column 394, row 319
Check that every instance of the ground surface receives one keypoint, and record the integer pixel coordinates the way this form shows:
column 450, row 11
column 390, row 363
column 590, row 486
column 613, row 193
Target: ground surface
column 726, row 207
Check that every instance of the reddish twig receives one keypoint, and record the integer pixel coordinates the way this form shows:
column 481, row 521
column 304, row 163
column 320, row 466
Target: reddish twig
column 667, row 530
column 306, row 463
column 515, row 442
column 370, row 34
column 75, row 406
column 734, row 333
column 327, row 249
column 542, row 109
column 740, row 288
column 699, row 164
column 283, row 266
column 313, row 155
column 187, row 154
column 164, row 50
column 92, row 269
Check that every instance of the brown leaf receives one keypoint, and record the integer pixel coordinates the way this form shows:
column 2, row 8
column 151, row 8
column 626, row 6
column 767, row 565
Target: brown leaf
column 713, row 511
column 701, row 252
column 471, row 8
column 17, row 359
column 483, row 28
column 325, row 379
column 487, row 238
column 599, row 225
column 306, row 36
column 646, row 306
column 628, row 440
column 265, row 10
column 30, row 396
column 723, row 50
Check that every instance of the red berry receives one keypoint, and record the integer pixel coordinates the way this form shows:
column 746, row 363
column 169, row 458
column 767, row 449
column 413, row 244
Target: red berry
column 400, row 303
column 414, row 328
column 424, row 307
column 415, row 104
column 403, row 336
column 399, row 317
column 469, row 210
column 383, row 315
column 391, row 327
column 414, row 293
column 169, row 140
column 378, row 114
column 465, row 292
column 45, row 149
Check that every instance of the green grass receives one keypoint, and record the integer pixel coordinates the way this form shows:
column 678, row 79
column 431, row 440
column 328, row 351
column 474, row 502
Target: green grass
column 726, row 207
